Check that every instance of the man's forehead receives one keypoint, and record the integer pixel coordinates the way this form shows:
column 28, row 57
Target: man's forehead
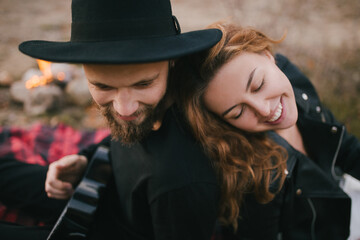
column 127, row 72
column 126, row 67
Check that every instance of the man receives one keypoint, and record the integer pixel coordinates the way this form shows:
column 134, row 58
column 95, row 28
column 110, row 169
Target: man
column 162, row 186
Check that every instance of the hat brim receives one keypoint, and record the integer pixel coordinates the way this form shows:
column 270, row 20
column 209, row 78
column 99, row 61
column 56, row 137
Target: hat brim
column 124, row 51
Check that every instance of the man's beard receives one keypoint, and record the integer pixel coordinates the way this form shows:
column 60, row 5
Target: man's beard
column 129, row 132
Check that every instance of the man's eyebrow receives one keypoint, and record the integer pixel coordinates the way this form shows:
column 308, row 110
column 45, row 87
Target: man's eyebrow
column 251, row 76
column 151, row 78
column 98, row 84
column 146, row 80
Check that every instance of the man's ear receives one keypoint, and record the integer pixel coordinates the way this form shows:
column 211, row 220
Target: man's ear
column 269, row 55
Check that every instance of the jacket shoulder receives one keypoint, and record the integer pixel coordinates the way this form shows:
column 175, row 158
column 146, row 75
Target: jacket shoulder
column 306, row 95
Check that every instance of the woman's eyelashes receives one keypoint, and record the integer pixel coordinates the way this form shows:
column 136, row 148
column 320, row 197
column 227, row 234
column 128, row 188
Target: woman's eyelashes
column 238, row 114
column 259, row 86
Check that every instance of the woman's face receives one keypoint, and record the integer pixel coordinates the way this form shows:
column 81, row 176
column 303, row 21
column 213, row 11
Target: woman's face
column 251, row 93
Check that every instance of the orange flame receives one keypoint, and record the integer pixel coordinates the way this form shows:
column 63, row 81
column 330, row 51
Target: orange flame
column 45, row 78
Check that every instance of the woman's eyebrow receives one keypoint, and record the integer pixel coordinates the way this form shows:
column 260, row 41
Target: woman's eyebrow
column 251, row 76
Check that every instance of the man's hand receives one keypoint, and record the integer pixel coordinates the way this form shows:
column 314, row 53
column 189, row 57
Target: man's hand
column 63, row 175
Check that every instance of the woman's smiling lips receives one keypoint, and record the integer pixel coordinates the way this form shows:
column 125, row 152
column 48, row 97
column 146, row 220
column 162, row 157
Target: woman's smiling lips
column 278, row 114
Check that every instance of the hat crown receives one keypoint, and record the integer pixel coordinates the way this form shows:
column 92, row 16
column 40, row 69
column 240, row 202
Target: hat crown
column 122, row 32
column 109, row 20
column 110, row 10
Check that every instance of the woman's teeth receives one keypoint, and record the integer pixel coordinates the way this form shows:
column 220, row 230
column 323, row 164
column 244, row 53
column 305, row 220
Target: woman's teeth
column 277, row 114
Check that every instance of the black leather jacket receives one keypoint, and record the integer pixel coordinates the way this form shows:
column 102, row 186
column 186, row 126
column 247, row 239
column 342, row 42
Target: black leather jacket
column 311, row 205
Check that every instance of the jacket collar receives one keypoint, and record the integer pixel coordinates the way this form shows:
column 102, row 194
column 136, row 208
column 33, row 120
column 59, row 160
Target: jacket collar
column 304, row 91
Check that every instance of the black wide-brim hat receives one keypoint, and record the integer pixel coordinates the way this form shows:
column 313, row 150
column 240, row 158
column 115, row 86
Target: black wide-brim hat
column 122, row 31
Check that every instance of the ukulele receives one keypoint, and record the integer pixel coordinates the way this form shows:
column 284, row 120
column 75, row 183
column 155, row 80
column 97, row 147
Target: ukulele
column 78, row 215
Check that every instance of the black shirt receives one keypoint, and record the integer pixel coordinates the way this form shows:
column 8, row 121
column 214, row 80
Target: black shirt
column 164, row 187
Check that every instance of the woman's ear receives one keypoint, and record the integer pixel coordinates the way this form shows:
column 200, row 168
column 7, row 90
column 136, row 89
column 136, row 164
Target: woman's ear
column 268, row 54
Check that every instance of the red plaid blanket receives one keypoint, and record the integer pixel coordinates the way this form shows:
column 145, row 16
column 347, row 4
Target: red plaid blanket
column 42, row 145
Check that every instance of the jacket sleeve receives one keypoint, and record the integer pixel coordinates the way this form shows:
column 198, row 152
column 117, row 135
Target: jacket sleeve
column 348, row 158
column 22, row 187
column 350, row 152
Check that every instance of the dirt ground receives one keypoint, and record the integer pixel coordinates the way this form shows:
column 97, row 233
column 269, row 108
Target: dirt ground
column 323, row 39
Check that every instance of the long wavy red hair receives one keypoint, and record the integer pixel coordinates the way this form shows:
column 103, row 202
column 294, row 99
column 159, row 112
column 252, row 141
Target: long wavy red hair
column 245, row 163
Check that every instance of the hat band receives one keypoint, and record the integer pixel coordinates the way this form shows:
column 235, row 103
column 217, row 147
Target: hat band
column 125, row 29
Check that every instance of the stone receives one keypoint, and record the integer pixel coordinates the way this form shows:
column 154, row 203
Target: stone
column 30, row 73
column 78, row 93
column 5, row 79
column 43, row 99
column 61, row 71
column 18, row 91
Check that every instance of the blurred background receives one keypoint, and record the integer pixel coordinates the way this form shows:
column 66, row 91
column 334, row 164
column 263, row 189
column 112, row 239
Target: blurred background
column 323, row 40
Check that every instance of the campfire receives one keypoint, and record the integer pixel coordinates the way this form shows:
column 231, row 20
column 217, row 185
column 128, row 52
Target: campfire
column 50, row 86
column 45, row 78
column 58, row 74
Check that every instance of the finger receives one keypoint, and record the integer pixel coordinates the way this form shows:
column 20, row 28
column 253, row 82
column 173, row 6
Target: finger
column 53, row 181
column 68, row 162
column 58, row 193
column 55, row 191
column 60, row 196
column 58, row 184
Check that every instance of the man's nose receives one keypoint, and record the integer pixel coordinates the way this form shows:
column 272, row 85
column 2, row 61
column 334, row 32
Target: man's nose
column 124, row 103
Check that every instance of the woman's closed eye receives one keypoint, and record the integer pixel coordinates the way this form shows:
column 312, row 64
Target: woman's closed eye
column 238, row 112
column 258, row 88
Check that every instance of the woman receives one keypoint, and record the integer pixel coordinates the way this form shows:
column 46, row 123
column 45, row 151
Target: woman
column 276, row 149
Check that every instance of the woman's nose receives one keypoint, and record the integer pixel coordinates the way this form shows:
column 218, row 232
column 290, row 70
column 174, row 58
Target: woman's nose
column 262, row 108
